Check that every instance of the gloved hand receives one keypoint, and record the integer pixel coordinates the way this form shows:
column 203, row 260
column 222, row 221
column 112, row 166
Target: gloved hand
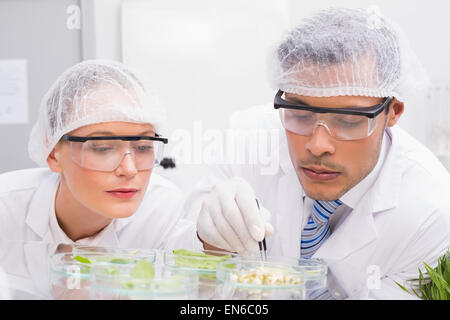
column 230, row 219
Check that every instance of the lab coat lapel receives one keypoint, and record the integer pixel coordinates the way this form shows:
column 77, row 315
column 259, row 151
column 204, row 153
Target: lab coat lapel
column 289, row 203
column 38, row 212
column 356, row 231
column 289, row 221
column 37, row 259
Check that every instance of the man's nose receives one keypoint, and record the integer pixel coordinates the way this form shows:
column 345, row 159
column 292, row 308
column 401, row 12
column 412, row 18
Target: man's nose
column 127, row 166
column 320, row 141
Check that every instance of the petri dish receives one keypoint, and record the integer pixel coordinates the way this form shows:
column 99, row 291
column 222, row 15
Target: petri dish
column 202, row 263
column 253, row 279
column 315, row 276
column 82, row 249
column 71, row 272
column 140, row 281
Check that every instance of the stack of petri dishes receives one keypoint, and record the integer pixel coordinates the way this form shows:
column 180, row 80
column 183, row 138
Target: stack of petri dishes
column 91, row 272
column 201, row 264
column 71, row 273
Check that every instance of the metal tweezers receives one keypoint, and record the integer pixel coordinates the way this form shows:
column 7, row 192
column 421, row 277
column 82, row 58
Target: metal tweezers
column 262, row 244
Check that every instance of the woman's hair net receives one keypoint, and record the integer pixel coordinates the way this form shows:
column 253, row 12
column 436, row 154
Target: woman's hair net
column 342, row 51
column 91, row 92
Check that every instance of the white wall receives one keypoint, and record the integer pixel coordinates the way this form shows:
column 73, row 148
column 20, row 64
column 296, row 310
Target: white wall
column 37, row 32
column 205, row 59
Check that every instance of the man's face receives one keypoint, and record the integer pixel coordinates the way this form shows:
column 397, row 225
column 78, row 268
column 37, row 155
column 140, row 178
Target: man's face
column 327, row 168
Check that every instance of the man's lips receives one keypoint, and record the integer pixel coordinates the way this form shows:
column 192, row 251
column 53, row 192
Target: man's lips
column 123, row 193
column 319, row 174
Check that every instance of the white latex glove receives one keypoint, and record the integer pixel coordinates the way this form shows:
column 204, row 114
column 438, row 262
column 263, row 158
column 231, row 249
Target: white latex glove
column 230, row 219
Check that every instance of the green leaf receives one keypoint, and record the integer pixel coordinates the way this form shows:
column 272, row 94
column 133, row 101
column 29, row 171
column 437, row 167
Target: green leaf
column 402, row 287
column 121, row 261
column 143, row 270
column 128, row 285
column 111, row 271
column 190, row 259
column 435, row 283
column 82, row 259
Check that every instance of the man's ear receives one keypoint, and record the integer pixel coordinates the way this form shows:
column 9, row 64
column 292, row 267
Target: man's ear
column 53, row 160
column 395, row 111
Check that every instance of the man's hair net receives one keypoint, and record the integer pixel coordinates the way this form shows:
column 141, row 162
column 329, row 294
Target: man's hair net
column 91, row 92
column 342, row 51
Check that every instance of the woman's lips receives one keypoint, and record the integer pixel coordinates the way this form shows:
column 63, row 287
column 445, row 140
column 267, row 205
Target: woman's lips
column 320, row 175
column 123, row 193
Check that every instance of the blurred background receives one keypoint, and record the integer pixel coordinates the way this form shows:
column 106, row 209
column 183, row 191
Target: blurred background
column 204, row 59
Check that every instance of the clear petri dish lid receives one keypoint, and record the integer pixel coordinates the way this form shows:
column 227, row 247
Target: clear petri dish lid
column 103, row 250
column 315, row 269
column 204, row 261
column 258, row 274
column 80, row 263
column 140, row 279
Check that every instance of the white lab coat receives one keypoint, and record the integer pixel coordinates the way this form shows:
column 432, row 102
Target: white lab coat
column 26, row 198
column 403, row 220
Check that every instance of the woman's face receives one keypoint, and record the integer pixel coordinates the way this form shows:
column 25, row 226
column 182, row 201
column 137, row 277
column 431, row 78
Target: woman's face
column 115, row 194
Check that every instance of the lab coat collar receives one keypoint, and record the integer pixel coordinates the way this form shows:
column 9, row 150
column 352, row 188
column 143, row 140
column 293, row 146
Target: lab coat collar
column 353, row 196
column 38, row 212
column 386, row 189
column 285, row 160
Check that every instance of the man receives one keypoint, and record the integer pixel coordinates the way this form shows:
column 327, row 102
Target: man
column 352, row 187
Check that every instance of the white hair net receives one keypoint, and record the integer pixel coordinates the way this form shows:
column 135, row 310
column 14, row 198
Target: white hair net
column 342, row 51
column 91, row 92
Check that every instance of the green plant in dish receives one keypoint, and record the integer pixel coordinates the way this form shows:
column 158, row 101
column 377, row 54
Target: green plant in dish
column 82, row 259
column 196, row 260
column 142, row 273
column 101, row 258
column 85, row 267
column 143, row 270
column 88, row 263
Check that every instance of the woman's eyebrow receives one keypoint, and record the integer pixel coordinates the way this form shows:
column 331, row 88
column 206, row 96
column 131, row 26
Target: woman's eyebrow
column 109, row 133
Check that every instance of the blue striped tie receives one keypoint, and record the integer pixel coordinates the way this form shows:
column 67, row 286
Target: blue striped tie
column 314, row 234
column 318, row 228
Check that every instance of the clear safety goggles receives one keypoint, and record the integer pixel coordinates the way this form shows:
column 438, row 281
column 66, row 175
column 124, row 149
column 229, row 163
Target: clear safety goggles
column 341, row 123
column 105, row 153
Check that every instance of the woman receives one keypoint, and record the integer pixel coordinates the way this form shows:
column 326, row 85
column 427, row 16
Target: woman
column 97, row 136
